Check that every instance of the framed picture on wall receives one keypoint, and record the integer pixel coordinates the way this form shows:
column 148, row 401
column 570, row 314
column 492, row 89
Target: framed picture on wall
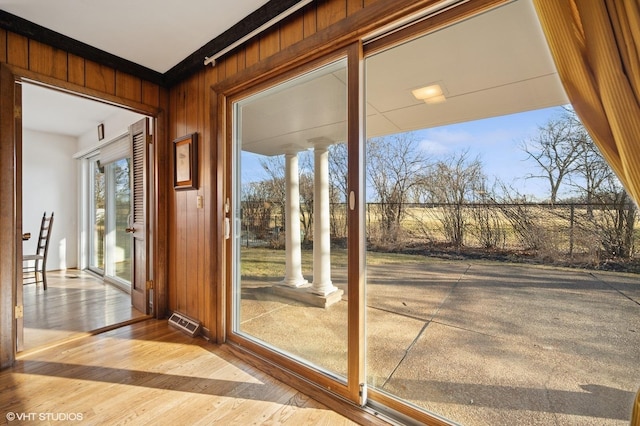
column 185, row 162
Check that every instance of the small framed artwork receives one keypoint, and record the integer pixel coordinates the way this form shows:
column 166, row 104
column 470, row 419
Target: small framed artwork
column 185, row 162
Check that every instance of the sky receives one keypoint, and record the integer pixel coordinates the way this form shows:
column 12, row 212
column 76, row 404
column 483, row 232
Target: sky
column 495, row 141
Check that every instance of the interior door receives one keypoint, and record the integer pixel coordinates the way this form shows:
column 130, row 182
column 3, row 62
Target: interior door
column 140, row 145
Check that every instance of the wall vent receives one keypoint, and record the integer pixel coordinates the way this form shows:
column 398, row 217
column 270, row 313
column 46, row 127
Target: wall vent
column 185, row 324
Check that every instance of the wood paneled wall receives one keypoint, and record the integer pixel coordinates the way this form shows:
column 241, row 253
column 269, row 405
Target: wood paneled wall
column 192, row 278
column 48, row 63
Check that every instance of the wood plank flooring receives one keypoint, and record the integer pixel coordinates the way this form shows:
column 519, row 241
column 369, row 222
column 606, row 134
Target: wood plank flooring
column 74, row 302
column 150, row 373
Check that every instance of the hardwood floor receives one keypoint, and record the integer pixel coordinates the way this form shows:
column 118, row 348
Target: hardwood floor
column 75, row 302
column 149, row 373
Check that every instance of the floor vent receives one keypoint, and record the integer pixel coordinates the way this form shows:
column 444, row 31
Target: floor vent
column 182, row 323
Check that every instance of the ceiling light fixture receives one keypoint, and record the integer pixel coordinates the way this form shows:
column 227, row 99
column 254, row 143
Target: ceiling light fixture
column 431, row 94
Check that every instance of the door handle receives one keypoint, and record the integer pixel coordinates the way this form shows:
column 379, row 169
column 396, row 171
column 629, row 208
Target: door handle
column 130, row 230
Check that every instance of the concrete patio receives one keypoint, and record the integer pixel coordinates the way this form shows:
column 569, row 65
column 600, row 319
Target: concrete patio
column 477, row 342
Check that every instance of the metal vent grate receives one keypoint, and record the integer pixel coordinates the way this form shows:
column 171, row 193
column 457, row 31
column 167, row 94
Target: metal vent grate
column 185, row 324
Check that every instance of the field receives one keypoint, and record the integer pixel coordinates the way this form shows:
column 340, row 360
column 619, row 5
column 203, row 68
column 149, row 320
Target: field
column 586, row 236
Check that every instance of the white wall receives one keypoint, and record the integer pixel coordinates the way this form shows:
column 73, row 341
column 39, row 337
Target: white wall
column 50, row 183
column 115, row 125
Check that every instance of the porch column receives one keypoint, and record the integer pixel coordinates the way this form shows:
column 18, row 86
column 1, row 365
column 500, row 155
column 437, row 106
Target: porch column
column 322, row 284
column 293, row 261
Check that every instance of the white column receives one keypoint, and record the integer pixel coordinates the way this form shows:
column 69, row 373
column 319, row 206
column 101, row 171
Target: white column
column 293, row 262
column 322, row 284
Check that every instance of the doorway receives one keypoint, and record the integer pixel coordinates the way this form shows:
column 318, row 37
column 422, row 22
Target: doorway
column 91, row 255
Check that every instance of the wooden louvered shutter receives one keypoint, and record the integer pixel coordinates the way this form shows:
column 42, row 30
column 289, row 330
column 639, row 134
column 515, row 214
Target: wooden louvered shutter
column 139, row 136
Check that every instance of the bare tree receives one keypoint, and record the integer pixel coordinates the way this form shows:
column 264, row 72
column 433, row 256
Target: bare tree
column 453, row 183
column 523, row 217
column 592, row 173
column 394, row 165
column 615, row 226
column 338, row 189
column 257, row 211
column 274, row 188
column 488, row 222
column 555, row 150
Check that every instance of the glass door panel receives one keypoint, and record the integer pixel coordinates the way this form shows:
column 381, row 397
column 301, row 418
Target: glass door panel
column 289, row 245
column 471, row 311
column 121, row 250
column 97, row 216
column 117, row 259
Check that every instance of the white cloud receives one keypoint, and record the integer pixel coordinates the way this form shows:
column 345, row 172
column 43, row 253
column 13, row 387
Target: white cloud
column 433, row 147
column 447, row 136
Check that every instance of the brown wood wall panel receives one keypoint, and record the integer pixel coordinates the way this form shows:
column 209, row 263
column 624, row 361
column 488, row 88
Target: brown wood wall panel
column 128, row 87
column 269, row 44
column 203, row 172
column 150, row 93
column 242, row 59
column 231, row 64
column 189, row 225
column 76, row 68
column 353, row 6
column 330, row 12
column 100, row 77
column 3, row 45
column 309, row 20
column 17, row 50
column 47, row 61
column 292, row 31
column 192, row 105
column 177, row 216
column 252, row 53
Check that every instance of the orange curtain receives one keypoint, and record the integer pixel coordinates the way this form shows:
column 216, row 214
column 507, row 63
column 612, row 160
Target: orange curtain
column 596, row 47
column 635, row 415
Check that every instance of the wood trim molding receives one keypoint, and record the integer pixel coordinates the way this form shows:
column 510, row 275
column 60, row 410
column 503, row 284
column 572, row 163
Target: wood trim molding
column 88, row 93
column 8, row 230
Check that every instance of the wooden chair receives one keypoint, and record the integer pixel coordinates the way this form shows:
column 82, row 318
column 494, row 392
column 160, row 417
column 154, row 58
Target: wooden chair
column 36, row 264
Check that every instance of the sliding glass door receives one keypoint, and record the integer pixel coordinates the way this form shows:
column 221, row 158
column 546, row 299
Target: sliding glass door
column 291, row 294
column 110, row 214
column 97, row 197
column 118, row 240
column 455, row 116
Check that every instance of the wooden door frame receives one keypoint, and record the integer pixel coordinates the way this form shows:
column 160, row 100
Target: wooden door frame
column 11, row 188
column 223, row 96
column 9, row 224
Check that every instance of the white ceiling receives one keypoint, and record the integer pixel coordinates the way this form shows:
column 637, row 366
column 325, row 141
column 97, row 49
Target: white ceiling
column 157, row 34
column 51, row 111
column 494, row 64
